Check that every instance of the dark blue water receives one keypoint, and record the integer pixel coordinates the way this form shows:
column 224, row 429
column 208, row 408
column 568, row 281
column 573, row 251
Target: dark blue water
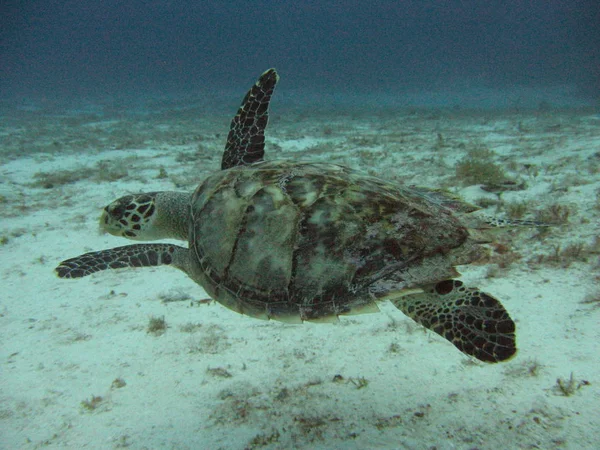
column 90, row 48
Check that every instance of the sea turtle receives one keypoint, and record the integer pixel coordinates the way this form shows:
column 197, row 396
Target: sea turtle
column 295, row 241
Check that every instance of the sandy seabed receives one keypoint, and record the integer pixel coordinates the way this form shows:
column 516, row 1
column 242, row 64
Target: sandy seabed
column 79, row 367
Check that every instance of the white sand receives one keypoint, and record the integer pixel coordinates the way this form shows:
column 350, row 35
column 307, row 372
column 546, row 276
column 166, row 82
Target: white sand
column 233, row 382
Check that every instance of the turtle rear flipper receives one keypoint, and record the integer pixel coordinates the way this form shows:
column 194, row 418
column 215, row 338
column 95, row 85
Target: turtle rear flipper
column 139, row 255
column 475, row 322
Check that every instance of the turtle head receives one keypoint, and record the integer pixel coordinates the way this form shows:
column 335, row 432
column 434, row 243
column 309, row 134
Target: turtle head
column 131, row 216
column 148, row 216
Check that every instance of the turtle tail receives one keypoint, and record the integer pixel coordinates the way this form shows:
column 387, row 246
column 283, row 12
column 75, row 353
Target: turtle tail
column 475, row 322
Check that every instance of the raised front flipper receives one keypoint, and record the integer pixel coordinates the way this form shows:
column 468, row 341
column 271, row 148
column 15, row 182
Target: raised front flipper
column 475, row 322
column 140, row 255
column 246, row 139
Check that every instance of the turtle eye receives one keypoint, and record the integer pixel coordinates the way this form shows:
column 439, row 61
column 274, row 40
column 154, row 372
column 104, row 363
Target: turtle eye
column 116, row 212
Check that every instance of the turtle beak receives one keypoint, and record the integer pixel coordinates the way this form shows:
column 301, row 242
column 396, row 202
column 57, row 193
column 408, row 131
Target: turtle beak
column 104, row 224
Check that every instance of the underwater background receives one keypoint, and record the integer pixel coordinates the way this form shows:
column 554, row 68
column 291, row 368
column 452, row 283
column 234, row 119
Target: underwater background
column 495, row 101
column 82, row 49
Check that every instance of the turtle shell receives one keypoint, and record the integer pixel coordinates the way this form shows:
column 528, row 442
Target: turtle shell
column 306, row 241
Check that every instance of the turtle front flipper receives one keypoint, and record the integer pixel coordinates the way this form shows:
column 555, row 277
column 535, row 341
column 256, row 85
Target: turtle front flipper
column 139, row 255
column 475, row 322
column 246, row 139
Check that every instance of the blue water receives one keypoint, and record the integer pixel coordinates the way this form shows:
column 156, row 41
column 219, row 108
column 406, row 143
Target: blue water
column 88, row 49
